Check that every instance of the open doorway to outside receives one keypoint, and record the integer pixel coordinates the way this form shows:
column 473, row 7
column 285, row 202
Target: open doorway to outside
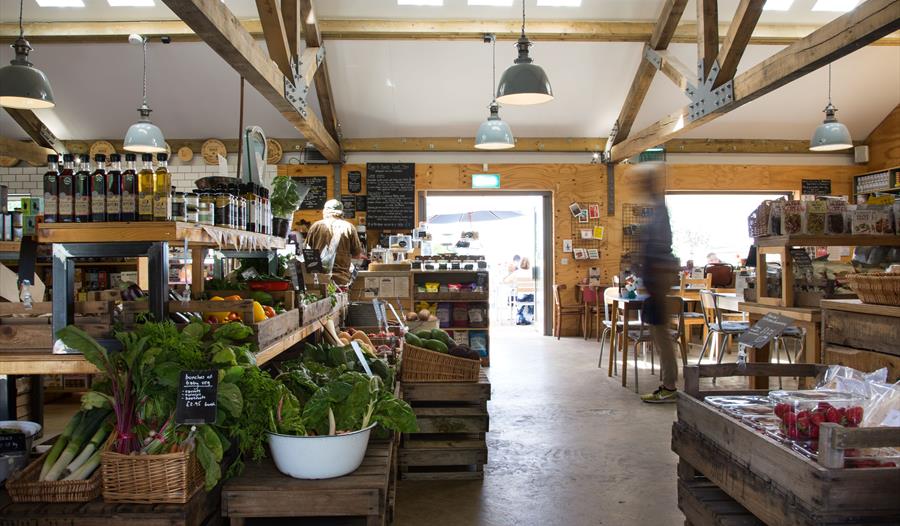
column 512, row 231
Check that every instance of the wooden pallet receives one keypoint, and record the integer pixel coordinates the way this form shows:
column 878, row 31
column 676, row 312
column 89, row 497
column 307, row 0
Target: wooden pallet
column 201, row 510
column 705, row 504
column 453, row 419
column 262, row 491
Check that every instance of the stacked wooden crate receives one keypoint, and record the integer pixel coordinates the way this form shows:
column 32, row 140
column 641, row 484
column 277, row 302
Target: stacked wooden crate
column 453, row 420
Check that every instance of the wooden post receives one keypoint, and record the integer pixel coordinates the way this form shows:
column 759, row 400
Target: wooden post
column 198, row 272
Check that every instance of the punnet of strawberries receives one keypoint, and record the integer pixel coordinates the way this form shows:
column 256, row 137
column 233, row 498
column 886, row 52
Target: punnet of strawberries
column 804, row 424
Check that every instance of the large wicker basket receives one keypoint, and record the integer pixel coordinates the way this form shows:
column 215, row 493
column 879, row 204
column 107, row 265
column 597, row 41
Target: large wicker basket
column 758, row 222
column 172, row 478
column 24, row 486
column 879, row 288
column 423, row 365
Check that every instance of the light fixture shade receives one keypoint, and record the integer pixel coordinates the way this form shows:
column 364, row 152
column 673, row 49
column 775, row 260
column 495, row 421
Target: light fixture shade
column 494, row 133
column 524, row 83
column 22, row 85
column 831, row 135
column 144, row 136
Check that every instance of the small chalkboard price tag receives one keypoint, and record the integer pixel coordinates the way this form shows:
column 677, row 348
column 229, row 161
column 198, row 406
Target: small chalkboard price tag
column 197, row 392
column 12, row 442
column 765, row 330
column 801, row 258
column 312, row 260
column 349, row 204
column 362, row 203
column 354, row 182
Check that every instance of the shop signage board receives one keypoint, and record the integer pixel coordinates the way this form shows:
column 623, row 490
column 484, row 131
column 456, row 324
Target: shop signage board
column 13, row 443
column 349, row 203
column 312, row 261
column 362, row 203
column 318, row 192
column 197, row 392
column 391, row 189
column 765, row 330
column 815, row 187
column 354, row 181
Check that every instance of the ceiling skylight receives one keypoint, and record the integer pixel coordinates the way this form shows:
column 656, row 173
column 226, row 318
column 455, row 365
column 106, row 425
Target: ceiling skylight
column 777, row 5
column 493, row 3
column 840, row 6
column 60, row 3
column 131, row 3
column 421, row 2
column 559, row 3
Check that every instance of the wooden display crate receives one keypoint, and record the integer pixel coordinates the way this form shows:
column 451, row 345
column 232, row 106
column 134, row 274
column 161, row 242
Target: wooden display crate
column 310, row 312
column 778, row 485
column 286, row 297
column 262, row 491
column 30, row 329
column 453, row 420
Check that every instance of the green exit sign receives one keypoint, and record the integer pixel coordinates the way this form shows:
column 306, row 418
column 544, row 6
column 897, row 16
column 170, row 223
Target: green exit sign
column 486, row 181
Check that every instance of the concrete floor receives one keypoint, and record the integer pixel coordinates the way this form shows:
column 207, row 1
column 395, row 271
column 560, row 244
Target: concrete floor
column 568, row 446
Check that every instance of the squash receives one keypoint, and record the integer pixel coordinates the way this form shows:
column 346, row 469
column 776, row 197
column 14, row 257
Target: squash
column 361, row 337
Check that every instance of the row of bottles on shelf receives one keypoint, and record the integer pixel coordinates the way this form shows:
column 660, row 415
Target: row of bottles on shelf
column 111, row 193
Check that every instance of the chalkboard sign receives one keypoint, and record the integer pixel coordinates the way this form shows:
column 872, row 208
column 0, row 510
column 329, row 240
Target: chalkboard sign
column 801, row 259
column 354, row 182
column 349, row 203
column 13, row 443
column 318, row 192
column 197, row 392
column 392, row 195
column 815, row 187
column 481, row 278
column 765, row 330
column 312, row 260
column 362, row 203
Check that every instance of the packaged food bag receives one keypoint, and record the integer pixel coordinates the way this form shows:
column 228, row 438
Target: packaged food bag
column 815, row 213
column 792, row 218
column 775, row 215
column 896, row 209
column 837, row 220
column 872, row 220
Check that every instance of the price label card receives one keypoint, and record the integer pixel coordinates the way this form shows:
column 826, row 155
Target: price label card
column 313, row 261
column 12, row 442
column 197, row 393
column 765, row 330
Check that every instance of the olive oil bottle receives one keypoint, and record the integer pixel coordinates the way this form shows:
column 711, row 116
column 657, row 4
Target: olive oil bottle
column 98, row 189
column 114, row 188
column 129, row 189
column 83, row 191
column 145, row 188
column 66, row 193
column 162, row 190
column 51, row 190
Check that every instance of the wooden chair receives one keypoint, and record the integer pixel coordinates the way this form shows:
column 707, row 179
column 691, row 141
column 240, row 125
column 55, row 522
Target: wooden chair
column 523, row 287
column 561, row 310
column 609, row 294
column 641, row 335
column 717, row 327
column 590, row 299
column 689, row 291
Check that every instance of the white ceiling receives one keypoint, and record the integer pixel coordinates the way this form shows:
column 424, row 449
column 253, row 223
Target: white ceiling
column 800, row 12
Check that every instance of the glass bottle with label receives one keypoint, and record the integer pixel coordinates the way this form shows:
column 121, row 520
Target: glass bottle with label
column 129, row 189
column 114, row 188
column 83, row 190
column 145, row 188
column 51, row 190
column 162, row 190
column 98, row 190
column 66, row 202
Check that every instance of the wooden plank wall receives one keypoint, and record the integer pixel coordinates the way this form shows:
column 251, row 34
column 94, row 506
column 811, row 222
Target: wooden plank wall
column 586, row 183
column 884, row 143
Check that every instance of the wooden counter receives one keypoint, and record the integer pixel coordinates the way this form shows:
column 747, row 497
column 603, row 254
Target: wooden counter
column 154, row 231
column 805, row 318
column 861, row 335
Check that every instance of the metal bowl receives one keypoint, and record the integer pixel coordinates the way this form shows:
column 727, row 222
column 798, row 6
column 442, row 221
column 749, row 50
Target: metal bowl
column 211, row 182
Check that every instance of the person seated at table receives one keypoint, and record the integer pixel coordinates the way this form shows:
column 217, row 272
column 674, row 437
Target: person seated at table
column 712, row 258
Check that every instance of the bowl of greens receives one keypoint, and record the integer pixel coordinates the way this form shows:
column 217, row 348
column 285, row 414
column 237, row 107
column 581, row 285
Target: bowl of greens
column 319, row 457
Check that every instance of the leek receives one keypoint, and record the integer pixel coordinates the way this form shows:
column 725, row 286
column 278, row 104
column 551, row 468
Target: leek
column 60, row 444
column 87, row 468
column 85, row 430
column 92, row 446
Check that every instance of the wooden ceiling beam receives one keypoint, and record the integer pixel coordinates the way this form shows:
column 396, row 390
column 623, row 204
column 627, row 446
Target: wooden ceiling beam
column 678, row 72
column 870, row 21
column 546, row 31
column 218, row 27
column 739, row 33
column 26, row 151
column 290, row 11
column 311, row 33
column 707, row 35
column 36, row 129
column 272, row 21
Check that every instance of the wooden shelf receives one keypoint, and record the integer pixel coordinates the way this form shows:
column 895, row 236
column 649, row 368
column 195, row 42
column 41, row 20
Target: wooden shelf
column 9, row 246
column 828, row 241
column 149, row 231
column 443, row 299
column 464, row 328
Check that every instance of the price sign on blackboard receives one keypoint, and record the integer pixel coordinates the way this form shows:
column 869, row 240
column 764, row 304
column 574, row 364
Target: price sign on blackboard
column 318, row 192
column 312, row 261
column 349, row 204
column 362, row 203
column 197, row 393
column 12, row 442
column 354, row 182
column 392, row 196
column 815, row 186
column 801, row 258
column 765, row 330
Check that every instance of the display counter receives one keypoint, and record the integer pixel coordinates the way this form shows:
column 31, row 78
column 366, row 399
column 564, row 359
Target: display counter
column 860, row 335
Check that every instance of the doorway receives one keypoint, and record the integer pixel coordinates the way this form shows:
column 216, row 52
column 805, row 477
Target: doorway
column 513, row 231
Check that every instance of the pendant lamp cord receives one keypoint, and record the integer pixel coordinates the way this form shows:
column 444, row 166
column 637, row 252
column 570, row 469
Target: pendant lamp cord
column 493, row 66
column 21, row 28
column 144, row 45
column 523, row 18
column 829, row 83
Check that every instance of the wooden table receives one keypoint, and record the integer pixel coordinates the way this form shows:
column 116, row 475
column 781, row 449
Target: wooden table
column 728, row 301
column 262, row 491
column 805, row 318
column 628, row 305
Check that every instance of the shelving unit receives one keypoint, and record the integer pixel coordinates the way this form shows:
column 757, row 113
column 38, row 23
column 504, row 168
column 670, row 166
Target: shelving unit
column 889, row 177
column 445, row 277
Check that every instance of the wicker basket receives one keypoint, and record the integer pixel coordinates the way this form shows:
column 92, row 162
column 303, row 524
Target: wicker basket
column 422, row 365
column 879, row 288
column 758, row 221
column 24, row 486
column 172, row 478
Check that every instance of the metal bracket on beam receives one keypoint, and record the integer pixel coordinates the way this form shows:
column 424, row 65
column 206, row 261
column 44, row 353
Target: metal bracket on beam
column 707, row 100
column 296, row 90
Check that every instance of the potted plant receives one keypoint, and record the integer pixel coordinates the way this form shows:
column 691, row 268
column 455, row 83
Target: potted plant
column 285, row 201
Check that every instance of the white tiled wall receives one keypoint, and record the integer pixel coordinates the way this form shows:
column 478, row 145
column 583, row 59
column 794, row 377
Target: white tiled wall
column 25, row 179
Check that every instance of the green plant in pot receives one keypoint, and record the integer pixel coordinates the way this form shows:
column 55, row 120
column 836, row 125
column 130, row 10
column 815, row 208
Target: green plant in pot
column 285, row 200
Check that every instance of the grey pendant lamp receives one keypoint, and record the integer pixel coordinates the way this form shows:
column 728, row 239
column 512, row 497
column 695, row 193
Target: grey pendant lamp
column 494, row 133
column 831, row 135
column 524, row 83
column 144, row 136
column 22, row 85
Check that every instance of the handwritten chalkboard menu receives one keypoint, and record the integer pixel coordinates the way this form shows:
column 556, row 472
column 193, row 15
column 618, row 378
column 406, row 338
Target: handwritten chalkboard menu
column 349, row 203
column 765, row 330
column 197, row 392
column 392, row 195
column 362, row 203
column 815, row 186
column 312, row 260
column 354, row 182
column 12, row 442
column 318, row 192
